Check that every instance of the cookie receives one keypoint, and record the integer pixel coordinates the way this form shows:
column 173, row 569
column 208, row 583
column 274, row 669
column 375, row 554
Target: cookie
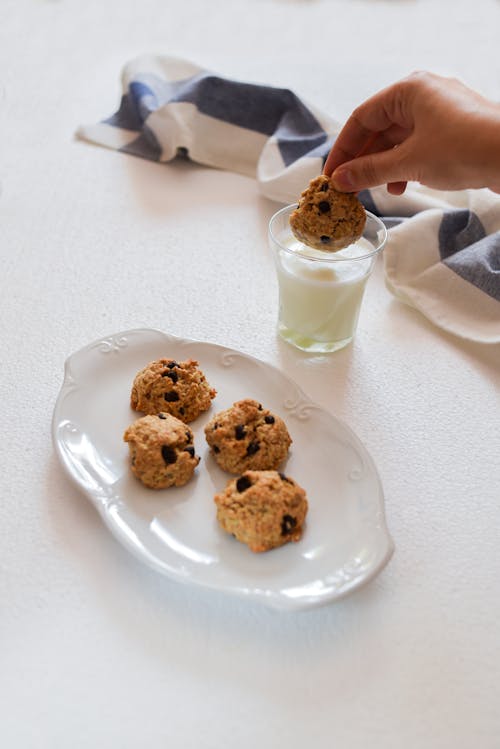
column 247, row 436
column 161, row 451
column 327, row 219
column 263, row 509
column 178, row 388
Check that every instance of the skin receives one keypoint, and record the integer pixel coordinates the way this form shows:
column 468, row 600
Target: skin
column 424, row 128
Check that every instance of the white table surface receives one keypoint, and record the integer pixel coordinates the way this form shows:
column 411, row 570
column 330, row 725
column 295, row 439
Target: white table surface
column 97, row 650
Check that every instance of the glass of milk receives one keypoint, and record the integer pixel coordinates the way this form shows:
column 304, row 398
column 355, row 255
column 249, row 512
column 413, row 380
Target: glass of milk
column 320, row 293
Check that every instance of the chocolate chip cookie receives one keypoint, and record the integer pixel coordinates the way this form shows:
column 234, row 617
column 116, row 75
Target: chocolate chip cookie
column 327, row 219
column 161, row 449
column 263, row 509
column 178, row 388
column 247, row 436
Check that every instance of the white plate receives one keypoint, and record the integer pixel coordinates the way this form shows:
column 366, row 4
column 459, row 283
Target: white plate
column 345, row 542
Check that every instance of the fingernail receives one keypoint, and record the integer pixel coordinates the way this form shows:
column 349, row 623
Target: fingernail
column 342, row 180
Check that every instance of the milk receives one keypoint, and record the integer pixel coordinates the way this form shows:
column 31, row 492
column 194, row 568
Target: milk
column 320, row 293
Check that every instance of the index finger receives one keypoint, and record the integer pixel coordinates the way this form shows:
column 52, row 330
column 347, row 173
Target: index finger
column 374, row 116
column 352, row 140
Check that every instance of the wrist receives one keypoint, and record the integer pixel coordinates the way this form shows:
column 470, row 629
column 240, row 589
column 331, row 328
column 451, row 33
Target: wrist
column 487, row 148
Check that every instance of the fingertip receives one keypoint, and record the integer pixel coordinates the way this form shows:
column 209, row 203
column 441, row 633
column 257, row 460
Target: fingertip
column 342, row 179
column 331, row 163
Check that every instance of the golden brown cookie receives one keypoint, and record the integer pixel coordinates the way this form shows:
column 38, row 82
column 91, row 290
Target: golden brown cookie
column 247, row 436
column 178, row 388
column 327, row 219
column 262, row 509
column 161, row 451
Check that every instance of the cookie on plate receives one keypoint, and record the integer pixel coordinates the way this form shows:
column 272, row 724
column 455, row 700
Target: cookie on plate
column 161, row 449
column 263, row 509
column 247, row 436
column 178, row 388
column 327, row 219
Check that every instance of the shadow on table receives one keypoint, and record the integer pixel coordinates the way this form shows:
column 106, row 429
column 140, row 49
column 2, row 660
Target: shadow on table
column 486, row 356
column 156, row 614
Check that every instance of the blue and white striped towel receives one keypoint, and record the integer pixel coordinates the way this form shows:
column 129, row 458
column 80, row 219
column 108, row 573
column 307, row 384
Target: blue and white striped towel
column 443, row 252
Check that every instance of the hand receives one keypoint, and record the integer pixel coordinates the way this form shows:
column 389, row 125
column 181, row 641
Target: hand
column 424, row 128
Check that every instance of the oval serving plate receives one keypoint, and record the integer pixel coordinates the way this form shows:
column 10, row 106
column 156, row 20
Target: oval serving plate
column 345, row 541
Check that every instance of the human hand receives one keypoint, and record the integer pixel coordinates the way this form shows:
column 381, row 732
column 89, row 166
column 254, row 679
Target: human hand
column 424, row 128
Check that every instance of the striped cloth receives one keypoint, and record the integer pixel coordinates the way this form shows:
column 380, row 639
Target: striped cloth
column 443, row 251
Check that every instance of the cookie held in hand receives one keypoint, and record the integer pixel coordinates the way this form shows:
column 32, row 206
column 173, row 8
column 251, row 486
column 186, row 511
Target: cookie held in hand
column 326, row 219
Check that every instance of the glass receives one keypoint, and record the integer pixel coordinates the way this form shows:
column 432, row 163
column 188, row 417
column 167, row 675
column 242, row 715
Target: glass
column 320, row 293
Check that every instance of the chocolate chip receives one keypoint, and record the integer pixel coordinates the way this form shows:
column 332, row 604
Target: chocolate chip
column 243, row 483
column 189, row 436
column 324, row 206
column 324, row 187
column 168, row 454
column 215, row 426
column 240, row 431
column 269, row 419
column 181, row 411
column 162, row 416
column 172, row 364
column 171, row 396
column 288, row 523
column 285, row 478
column 171, row 374
column 260, row 406
column 324, row 239
column 216, row 449
column 189, row 450
column 253, row 448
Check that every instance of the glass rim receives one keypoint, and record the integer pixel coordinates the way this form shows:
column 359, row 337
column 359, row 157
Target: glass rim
column 330, row 256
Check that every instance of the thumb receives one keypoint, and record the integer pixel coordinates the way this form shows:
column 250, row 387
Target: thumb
column 371, row 170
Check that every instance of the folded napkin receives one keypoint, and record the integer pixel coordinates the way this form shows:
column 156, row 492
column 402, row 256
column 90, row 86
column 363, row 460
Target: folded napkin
column 443, row 252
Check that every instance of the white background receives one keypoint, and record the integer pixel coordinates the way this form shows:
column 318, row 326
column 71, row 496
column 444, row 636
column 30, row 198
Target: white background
column 96, row 650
